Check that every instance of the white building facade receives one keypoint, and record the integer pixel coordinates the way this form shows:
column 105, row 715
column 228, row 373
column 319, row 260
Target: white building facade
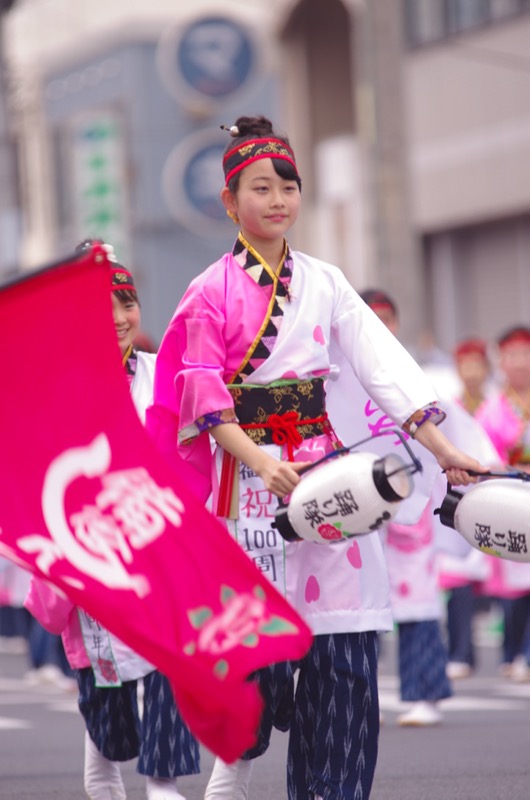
column 410, row 120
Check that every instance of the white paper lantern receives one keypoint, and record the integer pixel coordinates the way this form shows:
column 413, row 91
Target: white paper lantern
column 493, row 516
column 348, row 495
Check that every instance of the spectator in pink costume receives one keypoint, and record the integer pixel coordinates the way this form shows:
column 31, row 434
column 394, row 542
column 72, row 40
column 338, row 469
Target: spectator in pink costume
column 505, row 417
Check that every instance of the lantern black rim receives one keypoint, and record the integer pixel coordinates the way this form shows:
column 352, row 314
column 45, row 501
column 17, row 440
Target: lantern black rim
column 383, row 485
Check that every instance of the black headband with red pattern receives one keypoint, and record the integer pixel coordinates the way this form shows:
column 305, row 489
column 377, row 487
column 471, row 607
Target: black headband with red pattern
column 252, row 150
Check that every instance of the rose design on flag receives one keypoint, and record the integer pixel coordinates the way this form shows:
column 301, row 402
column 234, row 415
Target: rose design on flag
column 241, row 622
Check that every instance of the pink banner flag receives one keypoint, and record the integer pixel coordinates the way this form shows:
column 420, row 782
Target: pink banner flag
column 88, row 503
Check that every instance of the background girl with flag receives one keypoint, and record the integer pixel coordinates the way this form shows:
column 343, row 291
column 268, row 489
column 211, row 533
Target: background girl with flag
column 107, row 670
column 247, row 360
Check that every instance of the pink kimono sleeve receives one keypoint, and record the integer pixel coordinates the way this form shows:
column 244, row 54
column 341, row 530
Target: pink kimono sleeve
column 190, row 394
column 49, row 608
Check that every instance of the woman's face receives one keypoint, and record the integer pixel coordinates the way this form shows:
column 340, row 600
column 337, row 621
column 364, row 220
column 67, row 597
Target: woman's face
column 388, row 317
column 266, row 204
column 473, row 370
column 126, row 317
column 515, row 363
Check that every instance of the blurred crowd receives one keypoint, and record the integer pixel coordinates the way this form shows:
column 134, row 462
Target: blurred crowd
column 490, row 380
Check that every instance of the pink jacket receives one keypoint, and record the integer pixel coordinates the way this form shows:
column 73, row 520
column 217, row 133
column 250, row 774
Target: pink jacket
column 58, row 615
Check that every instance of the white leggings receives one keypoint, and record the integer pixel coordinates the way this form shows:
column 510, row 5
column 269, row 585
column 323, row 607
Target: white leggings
column 229, row 781
column 102, row 778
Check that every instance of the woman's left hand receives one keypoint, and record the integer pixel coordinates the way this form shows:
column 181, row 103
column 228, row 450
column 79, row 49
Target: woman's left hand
column 457, row 466
column 453, row 461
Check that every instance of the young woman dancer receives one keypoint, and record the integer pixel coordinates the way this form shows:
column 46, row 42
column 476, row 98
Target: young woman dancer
column 108, row 671
column 244, row 361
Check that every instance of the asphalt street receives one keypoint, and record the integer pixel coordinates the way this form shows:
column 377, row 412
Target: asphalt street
column 479, row 752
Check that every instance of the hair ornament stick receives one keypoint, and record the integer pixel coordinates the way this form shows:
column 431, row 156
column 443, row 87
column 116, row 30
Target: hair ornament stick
column 233, row 130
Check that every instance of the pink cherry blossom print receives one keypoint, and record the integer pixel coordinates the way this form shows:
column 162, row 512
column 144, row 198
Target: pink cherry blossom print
column 404, row 589
column 354, row 556
column 290, row 375
column 312, row 590
column 329, row 532
column 318, row 335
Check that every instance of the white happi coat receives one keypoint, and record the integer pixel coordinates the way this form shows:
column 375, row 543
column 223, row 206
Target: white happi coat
column 340, row 587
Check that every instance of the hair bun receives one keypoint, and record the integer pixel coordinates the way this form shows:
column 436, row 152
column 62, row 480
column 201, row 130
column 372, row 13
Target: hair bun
column 254, row 126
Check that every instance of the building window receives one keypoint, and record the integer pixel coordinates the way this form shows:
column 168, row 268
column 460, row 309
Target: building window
column 500, row 9
column 466, row 14
column 426, row 21
column 430, row 21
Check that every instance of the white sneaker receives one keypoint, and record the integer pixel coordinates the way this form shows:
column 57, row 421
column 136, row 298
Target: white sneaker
column 50, row 675
column 162, row 789
column 422, row 714
column 457, row 670
column 520, row 670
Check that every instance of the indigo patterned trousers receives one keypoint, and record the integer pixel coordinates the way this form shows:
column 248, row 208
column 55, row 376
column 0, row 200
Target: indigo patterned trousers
column 422, row 661
column 334, row 723
column 161, row 740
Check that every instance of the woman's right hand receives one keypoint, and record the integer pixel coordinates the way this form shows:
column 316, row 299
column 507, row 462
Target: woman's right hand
column 280, row 477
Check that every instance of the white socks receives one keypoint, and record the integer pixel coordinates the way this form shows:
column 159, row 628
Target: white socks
column 229, row 781
column 162, row 789
column 102, row 778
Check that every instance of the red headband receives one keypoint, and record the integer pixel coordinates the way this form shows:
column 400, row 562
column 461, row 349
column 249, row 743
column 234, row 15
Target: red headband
column 253, row 150
column 475, row 347
column 121, row 278
column 517, row 337
column 380, row 305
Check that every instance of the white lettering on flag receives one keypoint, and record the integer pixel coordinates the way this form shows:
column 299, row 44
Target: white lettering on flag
column 130, row 512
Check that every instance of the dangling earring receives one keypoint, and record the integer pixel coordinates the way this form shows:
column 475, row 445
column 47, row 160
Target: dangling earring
column 233, row 216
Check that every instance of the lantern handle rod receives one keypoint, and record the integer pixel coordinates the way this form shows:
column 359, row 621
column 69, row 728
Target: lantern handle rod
column 416, row 465
column 409, row 468
column 512, row 473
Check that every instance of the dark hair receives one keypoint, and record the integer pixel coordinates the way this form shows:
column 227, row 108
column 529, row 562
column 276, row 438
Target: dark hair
column 375, row 297
column 126, row 295
column 85, row 245
column 123, row 295
column 260, row 127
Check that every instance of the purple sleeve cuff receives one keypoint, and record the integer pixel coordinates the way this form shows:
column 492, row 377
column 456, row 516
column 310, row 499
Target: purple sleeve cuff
column 204, row 423
column 431, row 412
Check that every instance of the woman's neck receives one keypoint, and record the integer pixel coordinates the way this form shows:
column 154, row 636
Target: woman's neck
column 472, row 400
column 271, row 251
column 520, row 397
